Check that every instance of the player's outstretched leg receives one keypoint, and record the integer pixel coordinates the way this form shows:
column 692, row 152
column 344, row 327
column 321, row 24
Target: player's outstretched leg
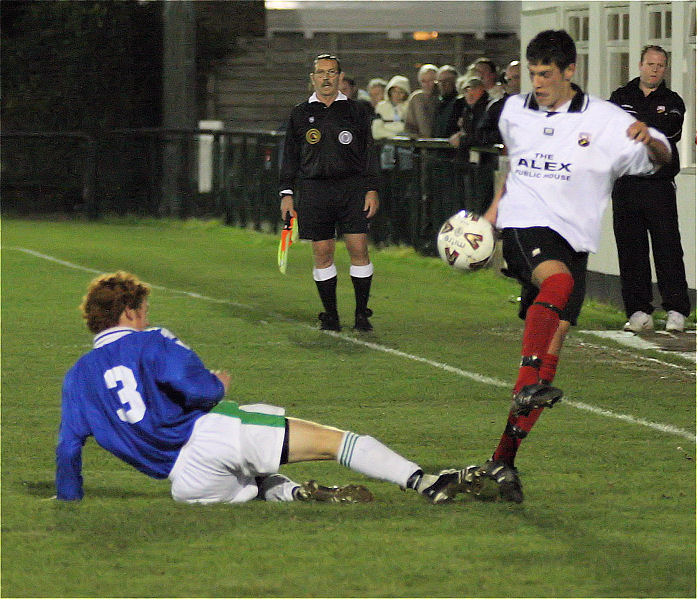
column 366, row 455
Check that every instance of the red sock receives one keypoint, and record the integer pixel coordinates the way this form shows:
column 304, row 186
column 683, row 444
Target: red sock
column 542, row 320
column 548, row 367
column 508, row 445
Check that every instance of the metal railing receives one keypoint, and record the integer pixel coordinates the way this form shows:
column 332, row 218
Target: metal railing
column 230, row 174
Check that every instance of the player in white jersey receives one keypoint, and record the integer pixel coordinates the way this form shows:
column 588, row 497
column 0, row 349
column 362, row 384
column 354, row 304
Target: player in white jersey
column 565, row 149
column 149, row 400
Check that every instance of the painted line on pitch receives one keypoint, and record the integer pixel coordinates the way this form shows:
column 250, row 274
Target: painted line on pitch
column 670, row 429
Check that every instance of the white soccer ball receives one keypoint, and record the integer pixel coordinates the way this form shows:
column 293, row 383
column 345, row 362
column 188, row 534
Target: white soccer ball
column 466, row 241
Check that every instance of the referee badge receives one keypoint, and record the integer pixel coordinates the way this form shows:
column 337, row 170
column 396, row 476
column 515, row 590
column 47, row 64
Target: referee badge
column 312, row 136
column 345, row 137
column 584, row 139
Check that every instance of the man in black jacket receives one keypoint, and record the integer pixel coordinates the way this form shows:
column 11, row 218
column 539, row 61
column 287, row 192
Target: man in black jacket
column 329, row 149
column 648, row 204
column 479, row 127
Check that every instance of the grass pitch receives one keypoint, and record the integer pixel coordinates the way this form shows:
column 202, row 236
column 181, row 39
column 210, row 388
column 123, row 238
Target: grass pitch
column 610, row 500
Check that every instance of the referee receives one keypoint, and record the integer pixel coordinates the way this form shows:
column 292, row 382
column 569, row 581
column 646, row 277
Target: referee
column 329, row 152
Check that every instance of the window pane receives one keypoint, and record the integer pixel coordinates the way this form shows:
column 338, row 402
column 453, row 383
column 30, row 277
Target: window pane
column 574, row 28
column 667, row 24
column 655, row 25
column 626, row 27
column 585, row 29
column 612, row 22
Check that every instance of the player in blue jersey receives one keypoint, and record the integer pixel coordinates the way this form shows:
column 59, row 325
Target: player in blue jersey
column 149, row 400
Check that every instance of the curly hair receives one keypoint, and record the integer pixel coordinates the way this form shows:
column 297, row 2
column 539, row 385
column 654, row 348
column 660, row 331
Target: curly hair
column 108, row 296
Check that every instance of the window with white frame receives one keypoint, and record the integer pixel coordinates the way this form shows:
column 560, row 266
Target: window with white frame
column 659, row 30
column 617, row 36
column 578, row 28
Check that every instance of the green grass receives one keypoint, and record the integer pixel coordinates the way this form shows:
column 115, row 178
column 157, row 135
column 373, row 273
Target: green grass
column 610, row 504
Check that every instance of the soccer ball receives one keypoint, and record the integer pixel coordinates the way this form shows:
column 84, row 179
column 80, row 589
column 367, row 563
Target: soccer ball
column 466, row 241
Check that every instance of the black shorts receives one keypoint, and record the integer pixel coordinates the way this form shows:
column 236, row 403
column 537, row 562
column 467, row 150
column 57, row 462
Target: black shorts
column 328, row 207
column 524, row 249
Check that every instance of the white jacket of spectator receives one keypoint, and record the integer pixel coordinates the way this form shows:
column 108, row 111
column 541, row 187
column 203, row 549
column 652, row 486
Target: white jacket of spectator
column 390, row 118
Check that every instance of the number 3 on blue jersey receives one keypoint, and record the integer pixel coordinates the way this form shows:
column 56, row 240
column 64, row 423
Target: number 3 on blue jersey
column 134, row 407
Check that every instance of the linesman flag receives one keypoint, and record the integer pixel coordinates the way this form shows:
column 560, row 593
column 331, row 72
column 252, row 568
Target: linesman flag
column 289, row 234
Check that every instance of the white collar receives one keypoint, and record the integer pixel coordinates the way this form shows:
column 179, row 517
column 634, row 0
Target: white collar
column 111, row 335
column 314, row 98
column 563, row 108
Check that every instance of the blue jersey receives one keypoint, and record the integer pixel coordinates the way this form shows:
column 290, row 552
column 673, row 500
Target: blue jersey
column 138, row 393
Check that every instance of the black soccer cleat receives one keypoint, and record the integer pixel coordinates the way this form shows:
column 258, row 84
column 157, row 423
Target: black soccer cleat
column 536, row 395
column 329, row 321
column 506, row 477
column 361, row 322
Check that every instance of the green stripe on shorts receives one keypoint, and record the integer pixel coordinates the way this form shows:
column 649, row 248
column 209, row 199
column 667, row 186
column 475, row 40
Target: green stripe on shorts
column 231, row 409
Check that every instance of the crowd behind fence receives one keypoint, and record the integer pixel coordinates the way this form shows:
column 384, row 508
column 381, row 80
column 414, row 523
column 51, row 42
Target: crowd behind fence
column 229, row 174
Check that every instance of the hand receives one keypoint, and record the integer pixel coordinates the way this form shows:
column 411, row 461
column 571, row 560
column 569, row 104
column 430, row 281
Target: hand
column 639, row 132
column 286, row 206
column 224, row 377
column 454, row 140
column 371, row 203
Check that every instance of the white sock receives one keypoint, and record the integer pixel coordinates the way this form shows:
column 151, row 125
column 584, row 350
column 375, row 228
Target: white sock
column 325, row 274
column 361, row 270
column 366, row 455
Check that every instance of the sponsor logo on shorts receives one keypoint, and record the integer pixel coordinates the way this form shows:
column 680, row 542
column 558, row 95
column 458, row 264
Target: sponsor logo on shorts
column 312, row 136
column 345, row 137
column 584, row 139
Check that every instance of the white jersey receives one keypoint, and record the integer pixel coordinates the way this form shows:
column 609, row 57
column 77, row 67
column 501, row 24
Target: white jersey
column 563, row 165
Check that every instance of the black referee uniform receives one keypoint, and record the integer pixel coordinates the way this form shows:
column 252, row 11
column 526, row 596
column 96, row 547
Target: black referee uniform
column 329, row 158
column 329, row 152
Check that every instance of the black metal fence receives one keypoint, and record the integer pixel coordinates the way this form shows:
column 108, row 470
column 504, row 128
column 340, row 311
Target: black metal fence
column 229, row 174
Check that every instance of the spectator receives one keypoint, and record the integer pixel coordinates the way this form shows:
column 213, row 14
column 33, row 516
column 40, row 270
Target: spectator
column 512, row 78
column 450, row 106
column 149, row 400
column 643, row 205
column 349, row 88
column 376, row 90
column 392, row 110
column 389, row 121
column 479, row 127
column 422, row 103
column 486, row 70
column 329, row 154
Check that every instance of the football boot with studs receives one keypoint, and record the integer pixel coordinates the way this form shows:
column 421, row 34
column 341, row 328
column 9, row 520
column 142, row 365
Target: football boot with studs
column 346, row 494
column 536, row 395
column 506, row 477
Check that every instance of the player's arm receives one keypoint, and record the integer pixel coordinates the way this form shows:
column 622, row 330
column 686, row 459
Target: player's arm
column 658, row 152
column 491, row 212
column 71, row 439
column 179, row 368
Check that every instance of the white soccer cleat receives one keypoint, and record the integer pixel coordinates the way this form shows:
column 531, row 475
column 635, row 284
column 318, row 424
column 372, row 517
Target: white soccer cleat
column 675, row 321
column 639, row 321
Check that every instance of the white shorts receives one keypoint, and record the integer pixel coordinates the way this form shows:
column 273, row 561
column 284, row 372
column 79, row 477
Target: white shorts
column 227, row 449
